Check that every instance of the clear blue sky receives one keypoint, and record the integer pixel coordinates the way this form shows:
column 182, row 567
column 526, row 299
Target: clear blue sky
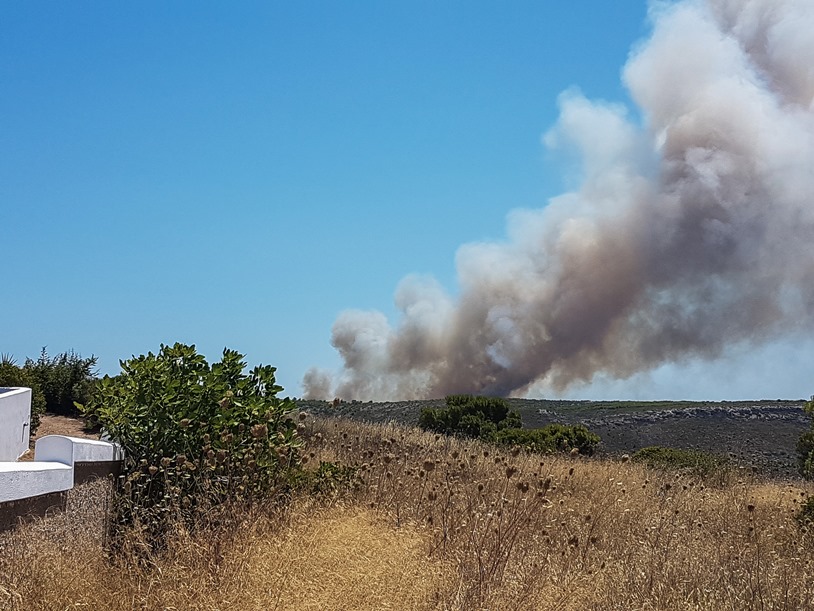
column 236, row 174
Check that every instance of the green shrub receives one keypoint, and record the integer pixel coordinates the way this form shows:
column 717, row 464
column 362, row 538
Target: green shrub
column 196, row 437
column 689, row 462
column 805, row 447
column 805, row 454
column 65, row 380
column 806, row 514
column 11, row 375
column 551, row 438
column 469, row 416
column 489, row 419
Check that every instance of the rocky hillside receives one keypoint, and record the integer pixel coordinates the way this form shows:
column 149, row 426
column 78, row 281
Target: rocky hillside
column 756, row 434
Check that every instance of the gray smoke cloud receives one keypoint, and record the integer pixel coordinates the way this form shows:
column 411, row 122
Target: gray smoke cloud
column 692, row 230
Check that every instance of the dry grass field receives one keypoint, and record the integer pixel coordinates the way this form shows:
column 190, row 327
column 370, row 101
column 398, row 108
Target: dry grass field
column 439, row 523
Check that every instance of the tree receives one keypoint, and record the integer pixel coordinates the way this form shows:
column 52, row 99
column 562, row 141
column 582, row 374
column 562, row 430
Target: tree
column 65, row 380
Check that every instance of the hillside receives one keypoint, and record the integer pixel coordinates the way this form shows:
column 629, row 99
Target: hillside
column 759, row 434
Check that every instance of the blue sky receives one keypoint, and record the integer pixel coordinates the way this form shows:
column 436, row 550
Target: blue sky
column 236, row 174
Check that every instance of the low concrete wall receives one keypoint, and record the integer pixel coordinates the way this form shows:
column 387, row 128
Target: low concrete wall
column 19, row 480
column 70, row 450
column 88, row 458
column 60, row 462
column 15, row 422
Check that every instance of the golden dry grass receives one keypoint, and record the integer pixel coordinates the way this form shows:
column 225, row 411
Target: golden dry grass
column 343, row 558
column 438, row 523
column 301, row 558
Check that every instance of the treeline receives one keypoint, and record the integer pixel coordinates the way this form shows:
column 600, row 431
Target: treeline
column 56, row 383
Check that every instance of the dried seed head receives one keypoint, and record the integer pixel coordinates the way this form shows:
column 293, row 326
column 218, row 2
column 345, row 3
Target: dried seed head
column 260, row 431
column 510, row 471
column 429, row 466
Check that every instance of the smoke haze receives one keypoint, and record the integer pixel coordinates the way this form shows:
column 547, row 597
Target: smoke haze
column 691, row 231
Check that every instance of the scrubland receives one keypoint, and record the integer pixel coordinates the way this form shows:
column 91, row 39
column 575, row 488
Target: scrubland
column 411, row 520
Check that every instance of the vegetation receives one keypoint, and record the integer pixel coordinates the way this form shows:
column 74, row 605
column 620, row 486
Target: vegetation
column 551, row 438
column 64, row 380
column 692, row 463
column 806, row 514
column 805, row 446
column 489, row 419
column 469, row 515
column 56, row 384
column 446, row 523
column 199, row 439
column 477, row 417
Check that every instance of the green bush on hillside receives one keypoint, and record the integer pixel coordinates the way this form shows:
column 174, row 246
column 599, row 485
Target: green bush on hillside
column 805, row 516
column 490, row 419
column 805, row 447
column 195, row 435
column 469, row 416
column 551, row 438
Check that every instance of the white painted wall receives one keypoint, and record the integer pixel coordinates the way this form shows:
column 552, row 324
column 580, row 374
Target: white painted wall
column 19, row 480
column 52, row 469
column 70, row 450
column 15, row 422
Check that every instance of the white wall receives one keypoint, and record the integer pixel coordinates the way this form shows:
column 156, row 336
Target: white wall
column 70, row 450
column 15, row 422
column 20, row 480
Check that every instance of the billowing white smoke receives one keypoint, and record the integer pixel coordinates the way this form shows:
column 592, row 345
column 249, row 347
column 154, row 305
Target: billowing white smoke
column 688, row 234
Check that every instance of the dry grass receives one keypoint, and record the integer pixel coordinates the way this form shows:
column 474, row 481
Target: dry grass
column 438, row 523
column 558, row 532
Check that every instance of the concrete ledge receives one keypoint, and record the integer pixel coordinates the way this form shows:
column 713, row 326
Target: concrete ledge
column 70, row 450
column 13, row 512
column 19, row 480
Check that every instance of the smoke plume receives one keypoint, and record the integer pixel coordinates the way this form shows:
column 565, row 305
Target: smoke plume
column 692, row 230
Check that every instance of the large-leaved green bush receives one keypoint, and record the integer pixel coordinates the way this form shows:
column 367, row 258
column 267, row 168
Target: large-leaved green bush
column 198, row 438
